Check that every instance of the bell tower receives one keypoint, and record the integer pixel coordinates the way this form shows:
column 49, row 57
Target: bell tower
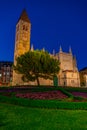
column 22, row 41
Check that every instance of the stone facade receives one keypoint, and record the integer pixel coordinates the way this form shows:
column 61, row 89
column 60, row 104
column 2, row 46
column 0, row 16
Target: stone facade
column 68, row 75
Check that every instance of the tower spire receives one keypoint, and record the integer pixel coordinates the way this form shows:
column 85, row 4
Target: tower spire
column 70, row 50
column 43, row 49
column 53, row 52
column 60, row 50
column 32, row 47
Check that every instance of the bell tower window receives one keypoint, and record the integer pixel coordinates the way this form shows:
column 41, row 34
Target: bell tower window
column 23, row 27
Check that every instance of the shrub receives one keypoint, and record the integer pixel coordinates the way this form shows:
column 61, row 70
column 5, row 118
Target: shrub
column 44, row 103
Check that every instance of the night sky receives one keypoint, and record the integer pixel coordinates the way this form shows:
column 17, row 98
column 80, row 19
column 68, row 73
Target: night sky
column 54, row 23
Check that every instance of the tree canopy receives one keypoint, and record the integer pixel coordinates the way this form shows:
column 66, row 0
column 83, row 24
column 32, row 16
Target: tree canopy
column 35, row 64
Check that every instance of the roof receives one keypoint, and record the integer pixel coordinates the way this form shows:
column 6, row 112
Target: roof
column 24, row 16
column 84, row 69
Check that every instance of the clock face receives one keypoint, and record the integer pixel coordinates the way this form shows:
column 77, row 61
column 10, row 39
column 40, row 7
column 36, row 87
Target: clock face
column 25, row 36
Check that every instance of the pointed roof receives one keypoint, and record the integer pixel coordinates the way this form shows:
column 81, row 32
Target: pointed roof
column 24, row 16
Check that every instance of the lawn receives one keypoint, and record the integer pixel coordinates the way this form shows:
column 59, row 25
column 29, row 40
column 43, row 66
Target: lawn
column 13, row 117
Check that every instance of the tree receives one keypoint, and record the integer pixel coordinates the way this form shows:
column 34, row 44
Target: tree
column 35, row 64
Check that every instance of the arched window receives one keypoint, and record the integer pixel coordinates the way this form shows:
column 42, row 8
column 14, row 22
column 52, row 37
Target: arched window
column 23, row 27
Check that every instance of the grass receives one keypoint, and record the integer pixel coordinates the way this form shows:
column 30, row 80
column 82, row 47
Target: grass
column 24, row 118
column 16, row 117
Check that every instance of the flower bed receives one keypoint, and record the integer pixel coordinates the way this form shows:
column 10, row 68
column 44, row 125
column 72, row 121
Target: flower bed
column 80, row 94
column 42, row 95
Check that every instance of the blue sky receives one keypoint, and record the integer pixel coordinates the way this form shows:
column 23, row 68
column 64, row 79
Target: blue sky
column 54, row 23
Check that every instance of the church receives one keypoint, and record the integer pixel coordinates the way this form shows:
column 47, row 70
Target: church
column 68, row 75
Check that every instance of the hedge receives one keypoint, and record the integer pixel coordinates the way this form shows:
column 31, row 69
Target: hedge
column 51, row 104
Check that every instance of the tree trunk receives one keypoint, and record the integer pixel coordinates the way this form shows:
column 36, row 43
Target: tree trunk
column 38, row 83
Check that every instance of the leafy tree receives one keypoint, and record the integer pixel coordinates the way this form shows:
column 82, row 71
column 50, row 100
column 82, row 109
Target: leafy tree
column 35, row 64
